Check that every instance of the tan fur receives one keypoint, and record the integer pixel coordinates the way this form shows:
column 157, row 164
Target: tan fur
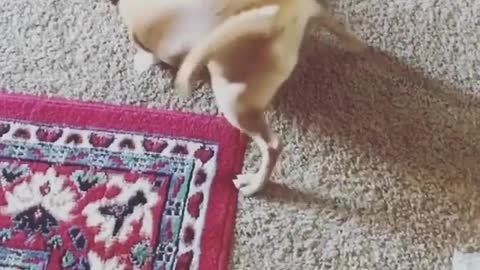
column 250, row 48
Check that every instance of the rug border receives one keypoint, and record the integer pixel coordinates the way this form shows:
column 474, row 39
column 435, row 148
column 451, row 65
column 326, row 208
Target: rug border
column 232, row 147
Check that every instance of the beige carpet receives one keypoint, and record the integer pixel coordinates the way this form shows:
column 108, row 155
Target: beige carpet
column 382, row 161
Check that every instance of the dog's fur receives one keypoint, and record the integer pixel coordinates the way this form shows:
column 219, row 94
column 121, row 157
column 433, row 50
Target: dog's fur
column 250, row 48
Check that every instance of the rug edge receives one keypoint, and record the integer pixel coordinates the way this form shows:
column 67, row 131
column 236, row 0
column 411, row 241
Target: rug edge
column 4, row 93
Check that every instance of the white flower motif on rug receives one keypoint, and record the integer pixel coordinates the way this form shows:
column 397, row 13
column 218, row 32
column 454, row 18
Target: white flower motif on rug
column 115, row 217
column 97, row 263
column 39, row 204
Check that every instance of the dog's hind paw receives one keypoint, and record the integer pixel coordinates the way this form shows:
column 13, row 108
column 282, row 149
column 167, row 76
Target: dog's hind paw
column 249, row 184
column 142, row 61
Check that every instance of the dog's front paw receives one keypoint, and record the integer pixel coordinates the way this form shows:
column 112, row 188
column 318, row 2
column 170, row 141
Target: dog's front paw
column 142, row 61
column 249, row 184
column 183, row 91
column 182, row 86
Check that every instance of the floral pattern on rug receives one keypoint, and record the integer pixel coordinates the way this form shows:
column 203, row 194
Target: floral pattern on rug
column 73, row 198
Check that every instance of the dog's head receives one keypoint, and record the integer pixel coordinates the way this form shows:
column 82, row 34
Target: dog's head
column 114, row 2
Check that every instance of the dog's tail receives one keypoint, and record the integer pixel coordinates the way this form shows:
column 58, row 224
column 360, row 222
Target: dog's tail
column 333, row 26
column 259, row 21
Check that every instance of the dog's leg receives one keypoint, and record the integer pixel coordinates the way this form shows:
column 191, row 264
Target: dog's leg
column 255, row 126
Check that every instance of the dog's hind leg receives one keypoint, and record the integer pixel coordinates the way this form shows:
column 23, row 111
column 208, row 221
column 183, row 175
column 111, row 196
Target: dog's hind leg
column 253, row 124
column 254, row 22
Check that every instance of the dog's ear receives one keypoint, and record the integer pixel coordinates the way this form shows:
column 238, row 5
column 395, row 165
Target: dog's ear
column 114, row 2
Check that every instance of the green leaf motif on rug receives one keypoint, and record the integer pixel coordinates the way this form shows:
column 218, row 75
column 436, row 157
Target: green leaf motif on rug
column 9, row 173
column 68, row 260
column 85, row 180
column 55, row 242
column 5, row 235
column 140, row 254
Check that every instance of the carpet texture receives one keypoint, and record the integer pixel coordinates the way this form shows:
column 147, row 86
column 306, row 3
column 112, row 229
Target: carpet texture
column 381, row 164
column 90, row 186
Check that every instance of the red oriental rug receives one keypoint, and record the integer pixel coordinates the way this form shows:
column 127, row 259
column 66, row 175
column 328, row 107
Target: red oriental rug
column 91, row 186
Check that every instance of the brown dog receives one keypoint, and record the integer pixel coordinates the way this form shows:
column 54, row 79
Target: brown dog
column 250, row 48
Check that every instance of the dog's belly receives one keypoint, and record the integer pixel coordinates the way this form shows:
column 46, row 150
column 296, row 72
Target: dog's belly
column 191, row 25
